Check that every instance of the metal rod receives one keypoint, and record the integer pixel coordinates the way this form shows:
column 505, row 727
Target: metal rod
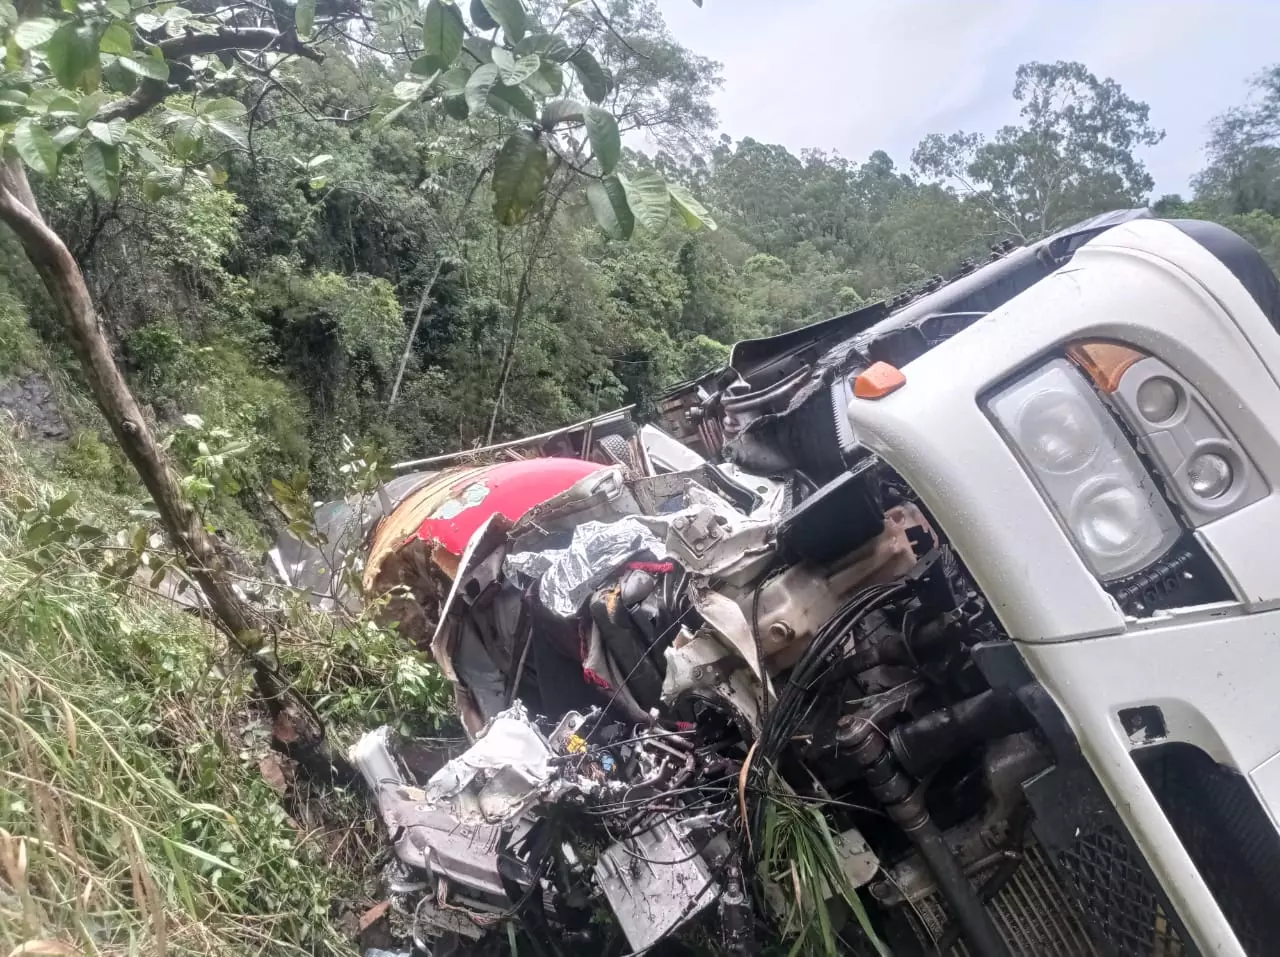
column 514, row 443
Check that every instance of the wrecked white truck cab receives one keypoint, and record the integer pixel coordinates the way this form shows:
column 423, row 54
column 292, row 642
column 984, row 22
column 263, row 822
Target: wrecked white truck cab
column 979, row 575
column 1102, row 452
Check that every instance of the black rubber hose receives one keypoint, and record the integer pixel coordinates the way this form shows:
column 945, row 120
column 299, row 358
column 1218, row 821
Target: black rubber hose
column 904, row 803
column 970, row 914
column 923, row 744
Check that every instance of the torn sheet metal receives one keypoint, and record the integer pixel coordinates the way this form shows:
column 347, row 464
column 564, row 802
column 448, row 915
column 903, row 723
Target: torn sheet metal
column 655, row 882
column 498, row 777
column 729, row 622
column 704, row 664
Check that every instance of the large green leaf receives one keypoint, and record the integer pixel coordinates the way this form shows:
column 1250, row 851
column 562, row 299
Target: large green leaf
column 36, row 147
column 229, row 130
column 223, row 108
column 149, row 22
column 648, row 198
column 693, row 213
column 386, row 119
column 454, row 81
column 304, row 17
column 149, row 67
column 410, row 90
column 519, row 173
column 442, row 31
column 561, row 111
column 116, row 39
column 66, row 136
column 548, row 81
column 32, row 33
column 480, row 16
column 515, row 70
column 549, row 46
column 72, row 53
column 510, row 16
column 102, row 169
column 109, row 134
column 595, row 82
column 478, row 87
column 513, row 100
column 480, row 48
column 608, row 201
column 606, row 141
column 428, row 65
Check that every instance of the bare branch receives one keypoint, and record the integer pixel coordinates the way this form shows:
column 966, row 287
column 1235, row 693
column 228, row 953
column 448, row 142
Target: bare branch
column 259, row 39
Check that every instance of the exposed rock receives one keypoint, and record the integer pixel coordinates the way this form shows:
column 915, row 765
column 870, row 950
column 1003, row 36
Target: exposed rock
column 31, row 401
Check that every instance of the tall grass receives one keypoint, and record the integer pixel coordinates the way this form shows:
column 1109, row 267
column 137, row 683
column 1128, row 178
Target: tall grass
column 133, row 815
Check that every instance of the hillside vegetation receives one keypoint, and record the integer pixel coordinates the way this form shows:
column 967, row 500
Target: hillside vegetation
column 333, row 275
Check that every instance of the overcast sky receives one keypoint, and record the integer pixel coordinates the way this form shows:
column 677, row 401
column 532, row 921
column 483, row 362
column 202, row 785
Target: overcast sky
column 853, row 76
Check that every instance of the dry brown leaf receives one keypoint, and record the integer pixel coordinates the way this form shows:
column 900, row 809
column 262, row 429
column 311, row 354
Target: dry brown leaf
column 373, row 915
column 46, row 948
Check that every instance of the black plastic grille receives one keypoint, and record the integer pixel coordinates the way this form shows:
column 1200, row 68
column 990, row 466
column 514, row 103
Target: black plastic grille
column 1119, row 898
column 1226, row 833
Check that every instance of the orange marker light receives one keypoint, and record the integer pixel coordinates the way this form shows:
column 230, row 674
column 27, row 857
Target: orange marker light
column 1103, row 362
column 878, row 380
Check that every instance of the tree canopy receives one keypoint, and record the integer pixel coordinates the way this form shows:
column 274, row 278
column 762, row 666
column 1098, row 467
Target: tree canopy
column 1074, row 153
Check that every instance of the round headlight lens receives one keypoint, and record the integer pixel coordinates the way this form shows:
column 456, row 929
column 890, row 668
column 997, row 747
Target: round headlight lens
column 1158, row 399
column 1110, row 519
column 1057, row 432
column 1209, row 475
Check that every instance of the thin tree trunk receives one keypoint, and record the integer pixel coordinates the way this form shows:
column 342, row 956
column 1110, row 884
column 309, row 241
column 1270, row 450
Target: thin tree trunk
column 517, row 314
column 298, row 729
column 413, row 333
column 509, row 351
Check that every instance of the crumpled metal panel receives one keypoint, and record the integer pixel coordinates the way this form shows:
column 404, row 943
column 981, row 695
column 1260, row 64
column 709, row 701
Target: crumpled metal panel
column 655, row 882
column 568, row 575
column 706, row 537
column 499, row 776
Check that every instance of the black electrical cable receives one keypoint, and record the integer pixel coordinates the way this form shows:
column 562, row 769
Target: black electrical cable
column 796, row 699
column 786, row 715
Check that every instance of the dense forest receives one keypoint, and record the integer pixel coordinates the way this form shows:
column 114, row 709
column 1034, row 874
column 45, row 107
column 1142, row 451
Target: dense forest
column 319, row 236
column 270, row 282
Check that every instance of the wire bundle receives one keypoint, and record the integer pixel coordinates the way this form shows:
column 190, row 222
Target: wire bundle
column 797, row 697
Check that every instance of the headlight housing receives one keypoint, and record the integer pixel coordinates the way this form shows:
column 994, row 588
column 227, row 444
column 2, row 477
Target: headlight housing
column 1086, row 468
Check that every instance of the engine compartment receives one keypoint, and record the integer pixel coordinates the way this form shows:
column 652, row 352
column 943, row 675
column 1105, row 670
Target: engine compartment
column 651, row 689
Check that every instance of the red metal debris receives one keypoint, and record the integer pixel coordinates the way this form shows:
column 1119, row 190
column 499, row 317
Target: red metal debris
column 509, row 489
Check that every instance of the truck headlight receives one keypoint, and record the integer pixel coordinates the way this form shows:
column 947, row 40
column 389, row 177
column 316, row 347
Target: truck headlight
column 1086, row 468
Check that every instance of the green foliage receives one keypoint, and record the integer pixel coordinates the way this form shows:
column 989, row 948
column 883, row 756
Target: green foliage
column 87, row 458
column 800, row 867
column 129, row 779
column 19, row 347
column 1243, row 173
